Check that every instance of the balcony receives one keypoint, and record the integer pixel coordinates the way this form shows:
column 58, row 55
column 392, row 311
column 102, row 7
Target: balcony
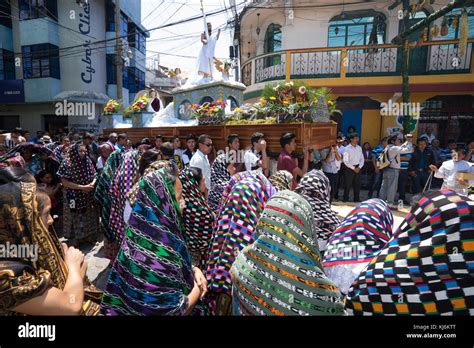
column 359, row 64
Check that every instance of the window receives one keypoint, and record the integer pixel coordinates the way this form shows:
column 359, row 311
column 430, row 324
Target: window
column 7, row 65
column 112, row 72
column 109, row 16
column 136, row 80
column 137, row 38
column 273, row 44
column 40, row 61
column 123, row 25
column 31, row 9
column 357, row 29
column 453, row 32
column 5, row 14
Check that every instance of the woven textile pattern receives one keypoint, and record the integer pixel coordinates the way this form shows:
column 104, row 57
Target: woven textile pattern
column 427, row 267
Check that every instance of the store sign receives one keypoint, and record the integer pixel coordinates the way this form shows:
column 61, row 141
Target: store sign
column 12, row 91
column 85, row 28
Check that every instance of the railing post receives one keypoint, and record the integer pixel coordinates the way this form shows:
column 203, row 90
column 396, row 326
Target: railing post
column 343, row 61
column 288, row 66
column 252, row 71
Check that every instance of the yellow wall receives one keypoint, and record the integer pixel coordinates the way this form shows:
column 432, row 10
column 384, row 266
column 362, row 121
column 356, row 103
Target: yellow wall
column 371, row 121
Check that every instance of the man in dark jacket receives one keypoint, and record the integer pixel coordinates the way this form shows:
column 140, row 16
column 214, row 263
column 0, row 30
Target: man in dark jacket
column 419, row 168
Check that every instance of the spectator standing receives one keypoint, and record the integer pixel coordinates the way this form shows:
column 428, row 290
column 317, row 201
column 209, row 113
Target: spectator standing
column 330, row 166
column 429, row 135
column 190, row 149
column 178, row 152
column 391, row 173
column 446, row 153
column 200, row 159
column 368, row 169
column 376, row 181
column 340, row 177
column 288, row 163
column 354, row 161
column 420, row 163
column 403, row 173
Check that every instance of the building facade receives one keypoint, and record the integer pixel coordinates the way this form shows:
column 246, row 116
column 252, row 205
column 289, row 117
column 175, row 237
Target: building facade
column 346, row 46
column 57, row 61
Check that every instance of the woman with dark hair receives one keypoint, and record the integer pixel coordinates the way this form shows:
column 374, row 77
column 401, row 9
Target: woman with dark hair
column 81, row 216
column 153, row 273
column 198, row 218
column 44, row 282
column 426, row 267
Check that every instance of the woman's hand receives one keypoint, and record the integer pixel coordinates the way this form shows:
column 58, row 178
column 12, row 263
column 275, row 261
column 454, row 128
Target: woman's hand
column 87, row 188
column 200, row 281
column 74, row 259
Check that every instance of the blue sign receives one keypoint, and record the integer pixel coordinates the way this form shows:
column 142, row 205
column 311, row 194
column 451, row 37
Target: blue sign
column 12, row 91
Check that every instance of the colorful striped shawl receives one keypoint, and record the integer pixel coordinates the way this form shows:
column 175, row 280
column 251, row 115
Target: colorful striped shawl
column 362, row 234
column 235, row 228
column 152, row 274
column 198, row 218
column 427, row 267
column 281, row 272
column 315, row 188
column 282, row 180
column 125, row 177
column 220, row 176
column 102, row 190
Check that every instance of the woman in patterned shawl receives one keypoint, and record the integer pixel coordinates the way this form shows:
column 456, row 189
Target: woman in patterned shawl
column 43, row 282
column 281, row 272
column 234, row 230
column 221, row 172
column 234, row 180
column 81, row 215
column 357, row 240
column 102, row 194
column 315, row 188
column 427, row 267
column 153, row 274
column 282, row 180
column 197, row 216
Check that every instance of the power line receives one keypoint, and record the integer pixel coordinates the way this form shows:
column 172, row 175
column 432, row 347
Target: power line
column 154, row 9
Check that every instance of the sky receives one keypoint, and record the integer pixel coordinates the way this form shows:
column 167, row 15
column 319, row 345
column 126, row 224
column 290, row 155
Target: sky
column 183, row 39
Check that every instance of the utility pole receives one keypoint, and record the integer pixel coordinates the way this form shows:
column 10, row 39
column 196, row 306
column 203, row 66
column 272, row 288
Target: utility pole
column 405, row 60
column 118, row 52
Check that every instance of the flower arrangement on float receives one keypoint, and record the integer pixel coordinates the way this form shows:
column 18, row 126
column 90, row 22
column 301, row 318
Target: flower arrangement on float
column 209, row 112
column 140, row 105
column 112, row 107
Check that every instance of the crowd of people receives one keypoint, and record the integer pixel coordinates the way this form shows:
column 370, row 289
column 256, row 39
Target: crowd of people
column 189, row 231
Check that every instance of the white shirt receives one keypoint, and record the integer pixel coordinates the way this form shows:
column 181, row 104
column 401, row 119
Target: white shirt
column 332, row 166
column 448, row 172
column 394, row 153
column 353, row 156
column 250, row 160
column 178, row 152
column 201, row 161
column 429, row 137
column 100, row 163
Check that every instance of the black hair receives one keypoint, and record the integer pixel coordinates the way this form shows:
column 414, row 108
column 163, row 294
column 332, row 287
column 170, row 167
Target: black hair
column 202, row 138
column 148, row 157
column 190, row 137
column 15, row 174
column 351, row 126
column 353, row 135
column 195, row 172
column 256, row 137
column 231, row 138
column 425, row 139
column 41, row 174
column 145, row 141
column 167, row 149
column 461, row 149
column 384, row 139
column 451, row 141
column 159, row 136
column 286, row 138
column 122, row 136
column 391, row 139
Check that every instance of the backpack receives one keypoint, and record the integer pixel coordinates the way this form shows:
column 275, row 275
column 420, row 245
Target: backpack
column 383, row 161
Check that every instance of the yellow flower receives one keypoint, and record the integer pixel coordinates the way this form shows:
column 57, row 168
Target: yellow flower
column 286, row 102
column 330, row 102
column 237, row 109
column 273, row 98
column 315, row 100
